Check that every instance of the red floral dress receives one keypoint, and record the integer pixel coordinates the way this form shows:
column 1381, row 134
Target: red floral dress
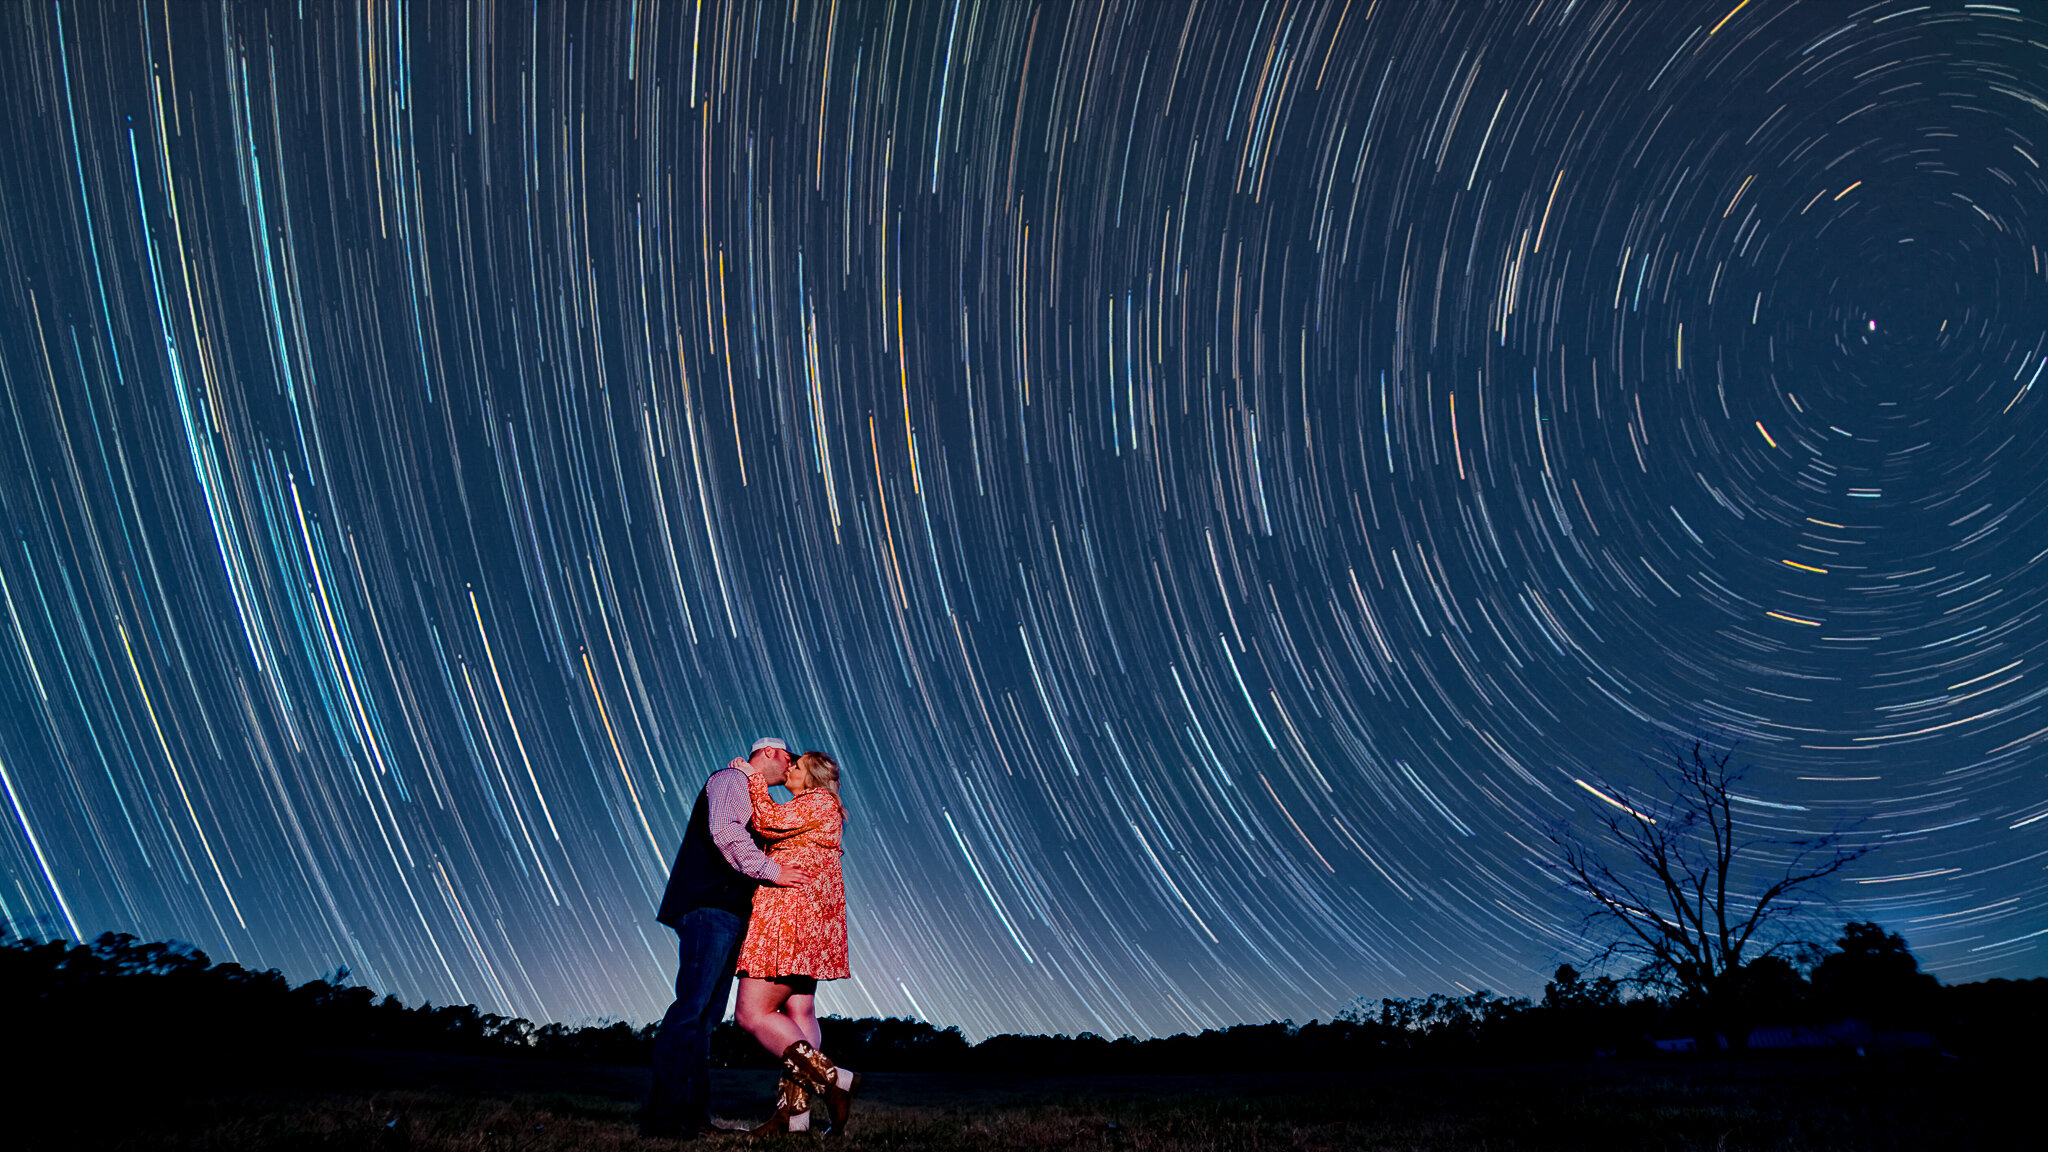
column 798, row 931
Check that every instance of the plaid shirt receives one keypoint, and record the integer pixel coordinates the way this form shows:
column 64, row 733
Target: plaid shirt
column 731, row 808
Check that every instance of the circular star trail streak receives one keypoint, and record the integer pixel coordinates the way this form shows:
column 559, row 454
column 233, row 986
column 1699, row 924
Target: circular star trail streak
column 1225, row 479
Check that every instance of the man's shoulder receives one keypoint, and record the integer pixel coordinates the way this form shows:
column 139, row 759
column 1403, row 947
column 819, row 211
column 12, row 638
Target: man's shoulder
column 729, row 778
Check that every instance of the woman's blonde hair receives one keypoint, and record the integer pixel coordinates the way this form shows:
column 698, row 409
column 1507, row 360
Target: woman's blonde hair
column 823, row 772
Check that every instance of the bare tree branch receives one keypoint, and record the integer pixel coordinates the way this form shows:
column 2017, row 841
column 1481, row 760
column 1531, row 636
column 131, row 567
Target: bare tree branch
column 1693, row 900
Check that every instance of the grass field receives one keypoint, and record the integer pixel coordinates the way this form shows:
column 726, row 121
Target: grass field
column 393, row 1101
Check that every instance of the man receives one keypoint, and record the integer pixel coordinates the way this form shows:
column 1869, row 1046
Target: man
column 709, row 898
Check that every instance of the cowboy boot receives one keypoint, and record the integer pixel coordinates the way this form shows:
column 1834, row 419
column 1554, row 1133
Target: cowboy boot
column 836, row 1084
column 792, row 1099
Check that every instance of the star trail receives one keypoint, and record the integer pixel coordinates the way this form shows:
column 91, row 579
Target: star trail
column 1224, row 479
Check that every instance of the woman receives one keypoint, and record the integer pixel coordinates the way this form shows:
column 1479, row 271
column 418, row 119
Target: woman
column 797, row 937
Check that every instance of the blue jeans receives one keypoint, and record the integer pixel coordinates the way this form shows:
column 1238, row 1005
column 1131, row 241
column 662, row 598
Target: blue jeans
column 679, row 1100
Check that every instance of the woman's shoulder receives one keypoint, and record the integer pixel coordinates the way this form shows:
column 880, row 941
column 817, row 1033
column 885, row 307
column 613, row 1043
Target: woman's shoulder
column 818, row 803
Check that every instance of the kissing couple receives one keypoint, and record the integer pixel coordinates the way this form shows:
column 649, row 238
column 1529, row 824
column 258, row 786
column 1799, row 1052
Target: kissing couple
column 756, row 892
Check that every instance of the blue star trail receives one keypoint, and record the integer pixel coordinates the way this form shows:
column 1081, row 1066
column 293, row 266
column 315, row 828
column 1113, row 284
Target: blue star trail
column 1224, row 479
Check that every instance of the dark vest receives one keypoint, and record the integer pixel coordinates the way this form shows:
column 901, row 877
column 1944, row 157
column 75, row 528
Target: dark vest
column 700, row 877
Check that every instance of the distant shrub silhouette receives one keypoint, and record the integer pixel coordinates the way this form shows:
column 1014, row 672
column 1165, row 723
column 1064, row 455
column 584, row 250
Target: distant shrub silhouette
column 899, row 1044
column 1872, row 973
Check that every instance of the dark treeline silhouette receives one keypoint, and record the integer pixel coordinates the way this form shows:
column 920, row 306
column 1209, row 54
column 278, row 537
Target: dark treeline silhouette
column 117, row 989
column 64, row 997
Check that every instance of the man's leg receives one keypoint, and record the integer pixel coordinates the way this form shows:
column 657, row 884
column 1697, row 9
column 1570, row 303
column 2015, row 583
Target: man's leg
column 679, row 1099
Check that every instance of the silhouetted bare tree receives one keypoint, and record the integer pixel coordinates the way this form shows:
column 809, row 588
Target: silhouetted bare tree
column 1682, row 890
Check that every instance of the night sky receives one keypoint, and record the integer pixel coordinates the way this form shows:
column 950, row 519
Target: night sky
column 1225, row 479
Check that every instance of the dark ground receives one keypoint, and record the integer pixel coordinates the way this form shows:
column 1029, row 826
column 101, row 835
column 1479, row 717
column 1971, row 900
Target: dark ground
column 405, row 1100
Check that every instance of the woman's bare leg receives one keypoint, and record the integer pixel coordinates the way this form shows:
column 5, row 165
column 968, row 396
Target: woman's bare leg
column 802, row 1010
column 759, row 1011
